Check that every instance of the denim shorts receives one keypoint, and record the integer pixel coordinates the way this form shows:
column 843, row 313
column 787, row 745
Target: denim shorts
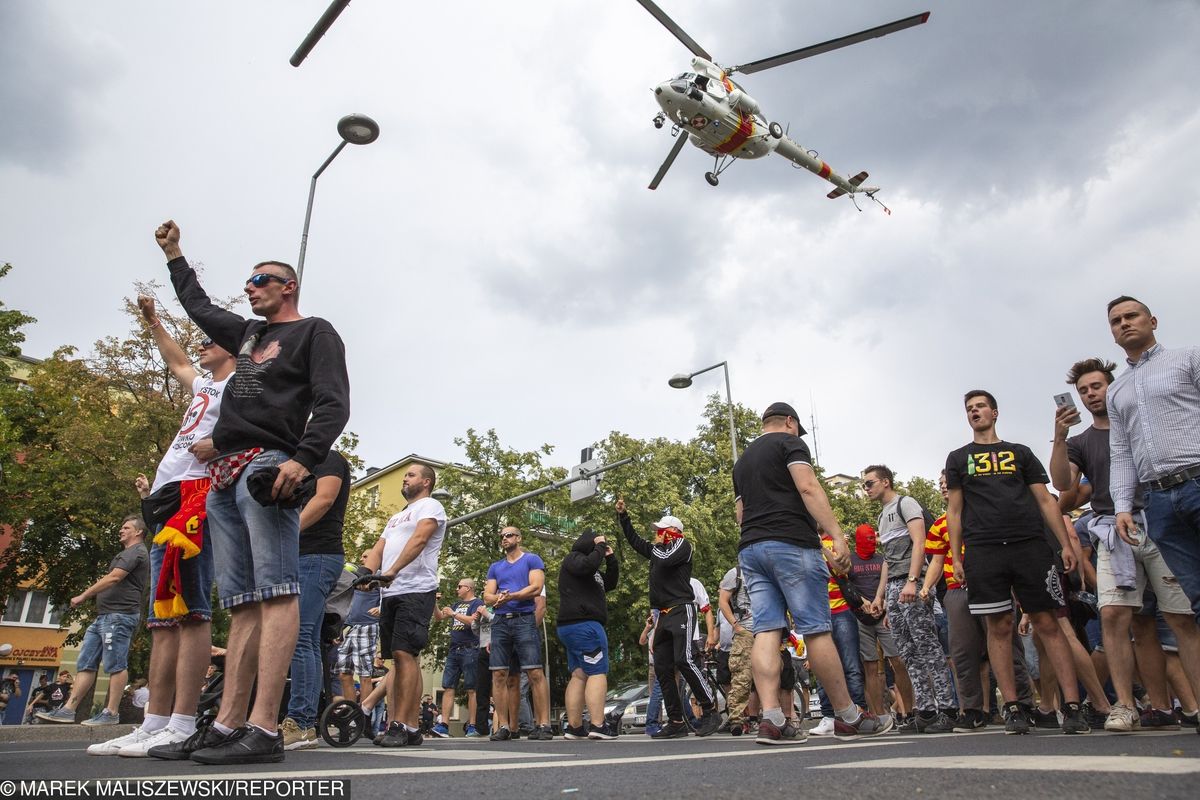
column 256, row 548
column 196, row 575
column 107, row 641
column 586, row 644
column 515, row 636
column 782, row 577
column 460, row 663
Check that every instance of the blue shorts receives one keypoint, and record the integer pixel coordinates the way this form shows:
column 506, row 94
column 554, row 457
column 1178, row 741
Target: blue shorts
column 586, row 644
column 107, row 640
column 782, row 577
column 460, row 663
column 256, row 548
column 515, row 640
column 196, row 575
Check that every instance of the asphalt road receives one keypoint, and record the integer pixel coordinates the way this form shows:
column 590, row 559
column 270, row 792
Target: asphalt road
column 1149, row 766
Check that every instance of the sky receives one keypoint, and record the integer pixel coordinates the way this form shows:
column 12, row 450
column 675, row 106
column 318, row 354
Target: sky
column 495, row 260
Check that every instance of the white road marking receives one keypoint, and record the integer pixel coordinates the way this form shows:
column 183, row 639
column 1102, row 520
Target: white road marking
column 452, row 755
column 1153, row 765
column 427, row 769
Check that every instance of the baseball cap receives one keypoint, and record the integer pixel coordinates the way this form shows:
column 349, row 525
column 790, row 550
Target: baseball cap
column 783, row 410
column 669, row 522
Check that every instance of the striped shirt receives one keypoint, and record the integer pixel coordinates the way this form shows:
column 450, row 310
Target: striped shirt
column 1154, row 410
column 937, row 542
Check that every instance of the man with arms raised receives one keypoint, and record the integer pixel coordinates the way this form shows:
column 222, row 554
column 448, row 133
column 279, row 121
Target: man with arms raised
column 281, row 413
column 408, row 554
column 999, row 506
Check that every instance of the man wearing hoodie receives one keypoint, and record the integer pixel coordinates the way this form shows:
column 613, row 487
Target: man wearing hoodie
column 582, row 615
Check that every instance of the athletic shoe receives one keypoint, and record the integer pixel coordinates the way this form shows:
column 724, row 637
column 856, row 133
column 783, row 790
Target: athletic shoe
column 113, row 746
column 208, row 736
column 908, row 724
column 396, row 735
column 502, row 735
column 604, row 732
column 1073, row 720
column 868, row 725
column 1044, row 719
column 575, row 733
column 414, row 738
column 790, row 733
column 924, row 720
column 441, row 731
column 254, row 746
column 1191, row 720
column 1152, row 719
column 823, row 728
column 1095, row 718
column 736, row 728
column 939, row 724
column 542, row 733
column 295, row 737
column 970, row 719
column 60, row 714
column 105, row 717
column 1122, row 719
column 673, row 730
column 1015, row 719
column 472, row 733
column 141, row 749
column 708, row 723
column 652, row 730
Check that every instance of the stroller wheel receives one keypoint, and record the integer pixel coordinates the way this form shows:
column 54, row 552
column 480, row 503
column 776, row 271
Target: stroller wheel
column 342, row 724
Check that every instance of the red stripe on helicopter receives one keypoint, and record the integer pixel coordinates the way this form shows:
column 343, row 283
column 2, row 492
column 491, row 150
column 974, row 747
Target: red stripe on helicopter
column 825, row 170
column 745, row 130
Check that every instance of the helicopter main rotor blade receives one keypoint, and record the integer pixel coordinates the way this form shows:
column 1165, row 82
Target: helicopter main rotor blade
column 666, row 165
column 832, row 44
column 679, row 32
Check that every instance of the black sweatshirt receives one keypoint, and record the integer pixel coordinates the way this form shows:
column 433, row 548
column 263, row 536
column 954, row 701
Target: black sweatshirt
column 285, row 371
column 581, row 587
column 670, row 567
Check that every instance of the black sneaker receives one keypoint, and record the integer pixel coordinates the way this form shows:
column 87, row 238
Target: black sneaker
column 1154, row 719
column 1190, row 720
column 576, row 733
column 207, row 736
column 1044, row 719
column 924, row 719
column 414, row 738
column 396, row 735
column 1073, row 720
column 791, row 733
column 606, row 732
column 736, row 729
column 1015, row 719
column 542, row 733
column 1095, row 719
column 970, row 719
column 502, row 735
column 254, row 746
column 907, row 724
column 939, row 724
column 708, row 723
column 673, row 730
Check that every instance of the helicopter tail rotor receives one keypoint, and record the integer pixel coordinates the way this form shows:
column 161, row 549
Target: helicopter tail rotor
column 680, row 140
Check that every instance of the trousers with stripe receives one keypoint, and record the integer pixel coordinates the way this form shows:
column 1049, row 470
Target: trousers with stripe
column 673, row 652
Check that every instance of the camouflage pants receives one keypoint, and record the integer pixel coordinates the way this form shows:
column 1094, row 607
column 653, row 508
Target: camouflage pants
column 741, row 674
column 915, row 633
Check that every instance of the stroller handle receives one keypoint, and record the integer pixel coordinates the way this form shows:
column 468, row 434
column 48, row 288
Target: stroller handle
column 375, row 579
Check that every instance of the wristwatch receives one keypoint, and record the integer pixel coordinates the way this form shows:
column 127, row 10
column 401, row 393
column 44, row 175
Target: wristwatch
column 912, row 579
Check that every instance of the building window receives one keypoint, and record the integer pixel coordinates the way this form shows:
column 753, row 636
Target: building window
column 373, row 498
column 31, row 607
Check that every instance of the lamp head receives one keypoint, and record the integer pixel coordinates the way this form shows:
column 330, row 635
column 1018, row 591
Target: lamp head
column 680, row 381
column 358, row 129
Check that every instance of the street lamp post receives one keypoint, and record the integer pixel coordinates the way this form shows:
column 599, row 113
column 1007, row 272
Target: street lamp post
column 683, row 381
column 354, row 129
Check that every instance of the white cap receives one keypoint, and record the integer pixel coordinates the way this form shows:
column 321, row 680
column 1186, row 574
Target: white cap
column 669, row 522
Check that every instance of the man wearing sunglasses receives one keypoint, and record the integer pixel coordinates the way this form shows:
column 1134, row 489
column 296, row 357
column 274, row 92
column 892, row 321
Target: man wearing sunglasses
column 283, row 410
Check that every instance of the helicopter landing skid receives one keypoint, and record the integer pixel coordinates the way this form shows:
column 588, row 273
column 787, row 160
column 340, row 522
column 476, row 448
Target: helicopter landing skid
column 721, row 163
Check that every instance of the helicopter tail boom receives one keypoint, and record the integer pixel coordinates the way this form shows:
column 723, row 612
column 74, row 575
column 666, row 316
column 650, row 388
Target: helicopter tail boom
column 809, row 160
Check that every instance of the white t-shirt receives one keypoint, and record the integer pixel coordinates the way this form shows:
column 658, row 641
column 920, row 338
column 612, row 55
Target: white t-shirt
column 198, row 423
column 141, row 697
column 421, row 573
column 702, row 604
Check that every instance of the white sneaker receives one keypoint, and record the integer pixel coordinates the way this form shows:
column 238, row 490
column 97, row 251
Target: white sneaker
column 823, row 728
column 113, row 746
column 141, row 749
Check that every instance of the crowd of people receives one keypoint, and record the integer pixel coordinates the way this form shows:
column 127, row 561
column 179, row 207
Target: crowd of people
column 913, row 623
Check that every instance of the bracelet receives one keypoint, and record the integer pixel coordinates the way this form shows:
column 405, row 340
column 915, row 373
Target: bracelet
column 157, row 324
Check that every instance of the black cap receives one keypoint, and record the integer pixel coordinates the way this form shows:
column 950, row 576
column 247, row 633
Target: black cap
column 783, row 410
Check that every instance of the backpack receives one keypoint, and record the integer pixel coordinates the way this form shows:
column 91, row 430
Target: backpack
column 930, row 519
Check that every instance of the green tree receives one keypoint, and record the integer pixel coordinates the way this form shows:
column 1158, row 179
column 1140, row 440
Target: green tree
column 11, row 335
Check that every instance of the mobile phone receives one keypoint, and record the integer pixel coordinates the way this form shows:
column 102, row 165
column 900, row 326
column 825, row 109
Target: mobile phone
column 1064, row 399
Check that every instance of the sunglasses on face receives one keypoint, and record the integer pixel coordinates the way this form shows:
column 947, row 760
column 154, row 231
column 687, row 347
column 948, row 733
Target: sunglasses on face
column 206, row 344
column 869, row 484
column 508, row 535
column 263, row 278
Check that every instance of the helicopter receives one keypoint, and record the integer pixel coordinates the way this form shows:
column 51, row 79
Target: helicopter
column 705, row 106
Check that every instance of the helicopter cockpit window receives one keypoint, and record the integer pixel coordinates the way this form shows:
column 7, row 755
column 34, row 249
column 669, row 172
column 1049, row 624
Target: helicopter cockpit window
column 682, row 83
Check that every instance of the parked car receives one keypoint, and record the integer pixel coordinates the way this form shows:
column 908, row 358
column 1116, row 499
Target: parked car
column 634, row 696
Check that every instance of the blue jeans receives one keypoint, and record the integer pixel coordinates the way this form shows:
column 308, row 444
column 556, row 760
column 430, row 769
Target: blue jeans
column 318, row 573
column 256, row 548
column 782, row 577
column 107, row 640
column 1173, row 523
column 515, row 636
column 845, row 637
column 195, row 573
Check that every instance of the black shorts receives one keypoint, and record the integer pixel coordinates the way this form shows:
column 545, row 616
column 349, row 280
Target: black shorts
column 997, row 571
column 787, row 672
column 404, row 622
column 724, row 677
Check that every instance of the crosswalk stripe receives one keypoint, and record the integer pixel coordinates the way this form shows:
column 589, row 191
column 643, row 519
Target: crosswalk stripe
column 1154, row 765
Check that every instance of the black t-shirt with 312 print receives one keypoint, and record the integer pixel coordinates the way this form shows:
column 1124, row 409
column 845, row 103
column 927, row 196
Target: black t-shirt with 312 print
column 998, row 505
